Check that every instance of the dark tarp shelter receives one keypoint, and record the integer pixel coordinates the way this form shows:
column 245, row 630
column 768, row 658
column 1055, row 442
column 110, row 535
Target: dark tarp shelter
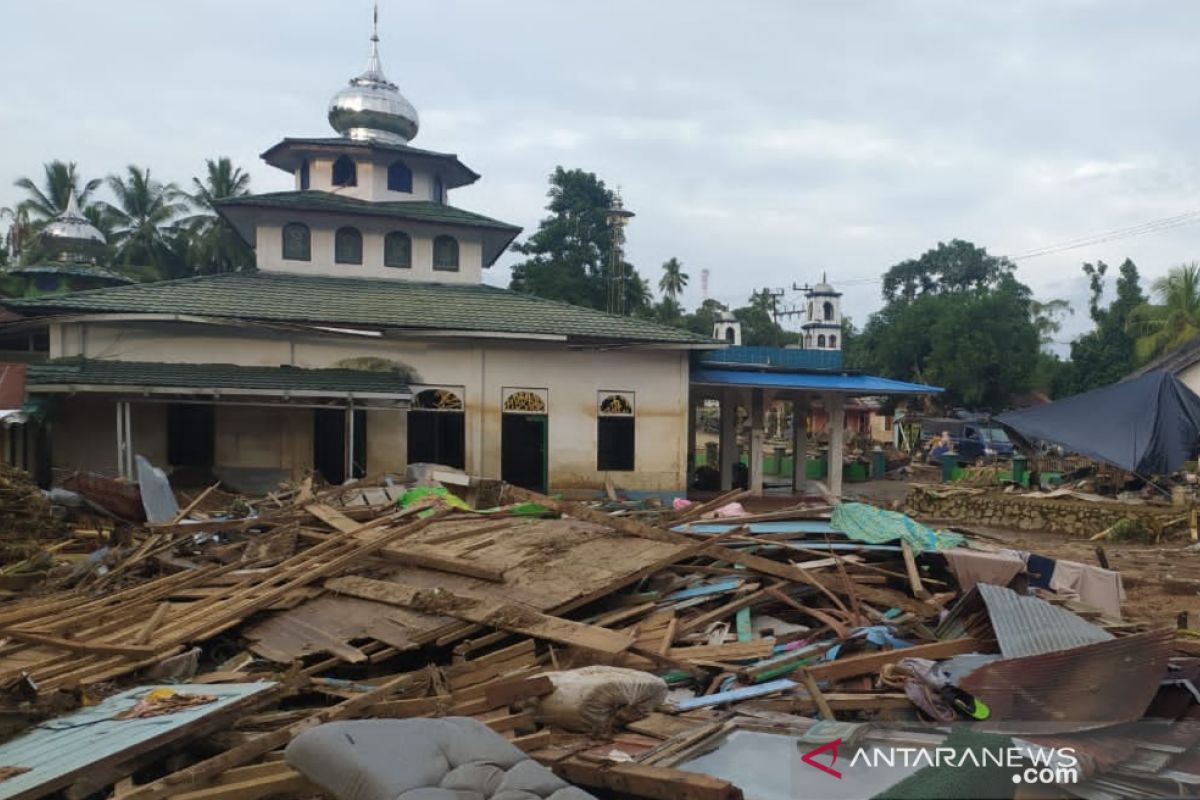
column 1148, row 425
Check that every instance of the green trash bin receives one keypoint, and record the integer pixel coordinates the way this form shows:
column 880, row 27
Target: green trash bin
column 878, row 463
column 949, row 465
column 1019, row 463
column 823, row 461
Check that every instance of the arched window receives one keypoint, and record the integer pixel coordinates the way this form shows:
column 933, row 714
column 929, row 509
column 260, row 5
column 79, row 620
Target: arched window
column 730, row 336
column 821, row 340
column 439, row 189
column 828, row 308
column 399, row 177
column 304, row 175
column 347, row 246
column 445, row 253
column 345, row 173
column 832, row 340
column 297, row 242
column 397, row 250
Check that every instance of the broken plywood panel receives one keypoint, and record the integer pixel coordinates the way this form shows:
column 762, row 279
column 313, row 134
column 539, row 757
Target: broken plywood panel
column 548, row 564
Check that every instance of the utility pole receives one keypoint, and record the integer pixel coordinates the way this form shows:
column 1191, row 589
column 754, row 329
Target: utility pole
column 618, row 218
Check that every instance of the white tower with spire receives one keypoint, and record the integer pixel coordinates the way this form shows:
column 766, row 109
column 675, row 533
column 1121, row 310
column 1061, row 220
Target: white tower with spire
column 822, row 329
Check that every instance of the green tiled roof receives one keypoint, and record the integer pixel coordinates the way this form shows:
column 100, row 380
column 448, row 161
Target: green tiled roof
column 87, row 372
column 73, row 270
column 369, row 302
column 419, row 210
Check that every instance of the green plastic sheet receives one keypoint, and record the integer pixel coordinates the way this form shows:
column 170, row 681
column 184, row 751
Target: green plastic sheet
column 865, row 523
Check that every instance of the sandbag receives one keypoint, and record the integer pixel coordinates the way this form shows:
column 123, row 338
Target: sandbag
column 599, row 698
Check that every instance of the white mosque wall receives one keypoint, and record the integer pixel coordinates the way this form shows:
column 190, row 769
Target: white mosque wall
column 269, row 252
column 280, row 438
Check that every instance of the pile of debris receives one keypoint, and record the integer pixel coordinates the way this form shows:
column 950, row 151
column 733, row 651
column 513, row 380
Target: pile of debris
column 626, row 649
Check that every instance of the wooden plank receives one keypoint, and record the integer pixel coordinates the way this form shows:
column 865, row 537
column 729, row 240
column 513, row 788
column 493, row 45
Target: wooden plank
column 333, row 518
column 871, row 663
column 75, row 646
column 533, row 741
column 914, row 574
column 413, row 707
column 507, row 693
column 734, row 651
column 663, row 726
column 506, row 616
column 512, row 722
column 283, row 783
column 192, row 506
column 147, row 631
column 442, row 563
column 655, row 783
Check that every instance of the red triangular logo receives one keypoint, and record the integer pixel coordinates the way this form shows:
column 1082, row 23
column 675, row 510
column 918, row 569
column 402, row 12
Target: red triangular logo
column 807, row 758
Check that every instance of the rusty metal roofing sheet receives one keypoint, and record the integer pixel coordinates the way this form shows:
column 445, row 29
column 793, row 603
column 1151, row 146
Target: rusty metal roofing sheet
column 61, row 749
column 1029, row 626
column 1098, row 684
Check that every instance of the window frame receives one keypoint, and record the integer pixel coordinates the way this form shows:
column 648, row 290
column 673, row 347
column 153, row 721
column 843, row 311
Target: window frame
column 353, row 174
column 407, row 176
column 305, row 175
column 283, row 242
column 457, row 265
column 388, row 237
column 616, row 425
column 439, row 189
column 337, row 235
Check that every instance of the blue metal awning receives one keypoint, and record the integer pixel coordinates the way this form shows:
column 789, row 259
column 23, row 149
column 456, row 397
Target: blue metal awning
column 809, row 381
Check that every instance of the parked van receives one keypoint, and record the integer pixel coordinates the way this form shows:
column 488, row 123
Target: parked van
column 975, row 441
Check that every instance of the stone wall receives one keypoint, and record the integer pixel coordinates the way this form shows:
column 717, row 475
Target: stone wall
column 1056, row 515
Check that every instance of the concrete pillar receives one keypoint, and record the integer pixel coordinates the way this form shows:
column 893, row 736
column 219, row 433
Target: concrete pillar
column 799, row 442
column 728, row 439
column 757, row 433
column 835, row 404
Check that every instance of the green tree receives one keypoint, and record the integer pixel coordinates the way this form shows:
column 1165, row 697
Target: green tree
column 215, row 245
column 673, row 280
column 1104, row 354
column 955, row 267
column 955, row 317
column 59, row 179
column 142, row 218
column 1174, row 319
column 1048, row 318
column 704, row 318
column 758, row 322
column 568, row 256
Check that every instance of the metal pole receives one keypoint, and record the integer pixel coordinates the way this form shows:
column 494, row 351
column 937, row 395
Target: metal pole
column 350, row 440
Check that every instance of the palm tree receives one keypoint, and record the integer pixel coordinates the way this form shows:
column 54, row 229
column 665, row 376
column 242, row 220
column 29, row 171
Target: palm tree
column 1174, row 319
column 59, row 180
column 216, row 246
column 20, row 229
column 673, row 280
column 141, row 218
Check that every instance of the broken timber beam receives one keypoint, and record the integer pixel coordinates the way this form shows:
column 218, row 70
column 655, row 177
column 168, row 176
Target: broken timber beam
column 506, row 616
column 870, row 663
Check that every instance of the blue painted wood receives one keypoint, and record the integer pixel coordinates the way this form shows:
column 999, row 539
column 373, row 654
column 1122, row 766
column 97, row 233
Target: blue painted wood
column 718, row 587
column 734, row 695
column 60, row 747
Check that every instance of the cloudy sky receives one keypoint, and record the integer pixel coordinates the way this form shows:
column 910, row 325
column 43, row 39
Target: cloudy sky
column 765, row 142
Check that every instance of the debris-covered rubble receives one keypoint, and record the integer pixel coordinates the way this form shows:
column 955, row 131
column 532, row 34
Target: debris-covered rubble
column 625, row 647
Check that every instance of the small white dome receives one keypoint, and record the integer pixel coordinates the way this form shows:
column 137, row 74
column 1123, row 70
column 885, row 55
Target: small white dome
column 371, row 108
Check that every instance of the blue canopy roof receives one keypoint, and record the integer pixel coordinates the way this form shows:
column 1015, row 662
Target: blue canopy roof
column 809, row 381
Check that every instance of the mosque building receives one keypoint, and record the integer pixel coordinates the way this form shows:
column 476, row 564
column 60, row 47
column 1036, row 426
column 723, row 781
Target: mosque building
column 366, row 340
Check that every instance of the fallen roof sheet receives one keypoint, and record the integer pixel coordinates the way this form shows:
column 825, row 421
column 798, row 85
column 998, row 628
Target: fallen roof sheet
column 58, row 750
column 1092, row 686
column 1029, row 626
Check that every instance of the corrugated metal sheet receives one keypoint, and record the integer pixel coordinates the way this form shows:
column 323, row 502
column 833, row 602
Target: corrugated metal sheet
column 59, row 749
column 1099, row 684
column 1029, row 626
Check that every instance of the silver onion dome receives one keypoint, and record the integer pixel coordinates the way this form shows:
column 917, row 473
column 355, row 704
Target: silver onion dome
column 371, row 108
column 71, row 236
